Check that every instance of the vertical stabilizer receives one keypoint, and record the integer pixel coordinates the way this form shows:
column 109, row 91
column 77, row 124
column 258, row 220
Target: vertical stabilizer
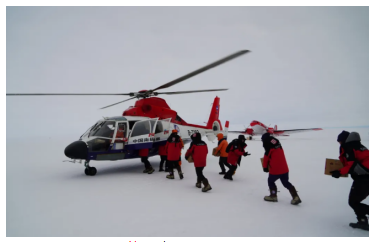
column 225, row 133
column 214, row 123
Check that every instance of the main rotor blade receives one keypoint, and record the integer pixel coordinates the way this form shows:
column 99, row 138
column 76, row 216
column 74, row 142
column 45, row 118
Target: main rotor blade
column 63, row 94
column 183, row 92
column 205, row 68
column 118, row 103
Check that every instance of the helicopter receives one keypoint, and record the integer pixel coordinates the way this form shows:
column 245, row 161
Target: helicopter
column 146, row 125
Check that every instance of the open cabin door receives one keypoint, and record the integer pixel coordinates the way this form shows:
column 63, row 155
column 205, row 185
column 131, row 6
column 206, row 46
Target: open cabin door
column 162, row 132
column 142, row 136
column 120, row 136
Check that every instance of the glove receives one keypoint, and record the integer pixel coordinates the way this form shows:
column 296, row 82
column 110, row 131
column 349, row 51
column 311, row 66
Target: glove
column 266, row 170
column 245, row 154
column 336, row 173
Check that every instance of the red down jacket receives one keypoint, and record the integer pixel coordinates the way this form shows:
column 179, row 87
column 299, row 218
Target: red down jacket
column 236, row 150
column 162, row 150
column 274, row 156
column 355, row 153
column 173, row 147
column 198, row 150
column 143, row 152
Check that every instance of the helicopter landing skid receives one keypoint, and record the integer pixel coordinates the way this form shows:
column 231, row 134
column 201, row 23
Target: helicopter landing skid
column 89, row 171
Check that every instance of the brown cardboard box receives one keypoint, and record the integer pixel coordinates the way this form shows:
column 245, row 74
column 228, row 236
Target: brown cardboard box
column 190, row 159
column 216, row 154
column 331, row 165
column 262, row 162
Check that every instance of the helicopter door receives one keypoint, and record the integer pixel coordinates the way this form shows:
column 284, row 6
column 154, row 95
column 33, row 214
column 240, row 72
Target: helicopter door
column 120, row 138
column 140, row 136
column 162, row 131
column 153, row 123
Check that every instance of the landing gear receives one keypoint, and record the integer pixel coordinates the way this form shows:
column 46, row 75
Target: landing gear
column 89, row 171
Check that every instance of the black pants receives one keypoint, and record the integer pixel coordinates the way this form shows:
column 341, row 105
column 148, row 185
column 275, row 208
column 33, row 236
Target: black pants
column 200, row 176
column 231, row 171
column 358, row 192
column 163, row 158
column 173, row 164
column 223, row 162
column 284, row 180
column 146, row 162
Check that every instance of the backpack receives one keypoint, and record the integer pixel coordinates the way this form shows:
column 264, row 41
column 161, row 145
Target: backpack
column 230, row 145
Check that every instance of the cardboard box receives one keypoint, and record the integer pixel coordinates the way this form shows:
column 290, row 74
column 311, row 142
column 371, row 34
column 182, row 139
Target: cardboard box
column 262, row 163
column 216, row 154
column 190, row 159
column 331, row 165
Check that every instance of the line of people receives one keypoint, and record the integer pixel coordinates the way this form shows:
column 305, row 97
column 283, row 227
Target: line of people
column 353, row 155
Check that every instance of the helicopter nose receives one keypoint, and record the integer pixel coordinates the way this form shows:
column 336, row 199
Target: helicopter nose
column 77, row 150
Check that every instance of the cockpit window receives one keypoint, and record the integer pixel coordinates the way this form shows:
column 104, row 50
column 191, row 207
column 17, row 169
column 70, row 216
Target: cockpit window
column 104, row 129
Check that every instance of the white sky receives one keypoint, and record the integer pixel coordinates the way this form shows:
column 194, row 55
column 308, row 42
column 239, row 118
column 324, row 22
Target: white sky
column 308, row 66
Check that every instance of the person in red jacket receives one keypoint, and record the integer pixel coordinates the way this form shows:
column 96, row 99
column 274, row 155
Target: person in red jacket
column 235, row 150
column 198, row 150
column 182, row 142
column 357, row 164
column 163, row 158
column 341, row 138
column 274, row 157
column 143, row 153
column 173, row 148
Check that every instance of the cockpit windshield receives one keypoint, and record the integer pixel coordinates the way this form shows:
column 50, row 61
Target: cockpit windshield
column 103, row 129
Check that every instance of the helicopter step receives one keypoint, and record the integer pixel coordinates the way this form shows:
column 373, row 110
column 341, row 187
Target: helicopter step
column 74, row 161
column 89, row 171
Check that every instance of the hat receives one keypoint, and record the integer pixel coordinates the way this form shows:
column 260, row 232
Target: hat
column 241, row 137
column 220, row 136
column 342, row 136
column 265, row 136
column 174, row 131
column 353, row 136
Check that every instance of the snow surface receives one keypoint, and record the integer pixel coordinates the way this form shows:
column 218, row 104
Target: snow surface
column 48, row 197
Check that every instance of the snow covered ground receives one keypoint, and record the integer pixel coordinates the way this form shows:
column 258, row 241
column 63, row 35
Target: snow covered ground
column 48, row 197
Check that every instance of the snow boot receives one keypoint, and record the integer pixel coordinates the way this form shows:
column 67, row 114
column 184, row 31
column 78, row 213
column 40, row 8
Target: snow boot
column 170, row 176
column 180, row 171
column 181, row 175
column 207, row 186
column 222, row 173
column 198, row 184
column 361, row 224
column 296, row 200
column 150, row 170
column 228, row 178
column 145, row 170
column 272, row 197
column 161, row 169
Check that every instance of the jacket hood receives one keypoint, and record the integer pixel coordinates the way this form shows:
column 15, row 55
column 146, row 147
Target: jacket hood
column 353, row 136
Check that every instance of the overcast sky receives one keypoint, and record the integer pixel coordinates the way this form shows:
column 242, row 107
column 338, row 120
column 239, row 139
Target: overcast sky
column 309, row 66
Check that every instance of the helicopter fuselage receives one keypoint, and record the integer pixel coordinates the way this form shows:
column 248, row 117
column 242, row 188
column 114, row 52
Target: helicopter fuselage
column 147, row 125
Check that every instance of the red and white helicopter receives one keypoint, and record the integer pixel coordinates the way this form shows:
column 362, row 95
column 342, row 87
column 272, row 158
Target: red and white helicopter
column 146, row 125
column 258, row 128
